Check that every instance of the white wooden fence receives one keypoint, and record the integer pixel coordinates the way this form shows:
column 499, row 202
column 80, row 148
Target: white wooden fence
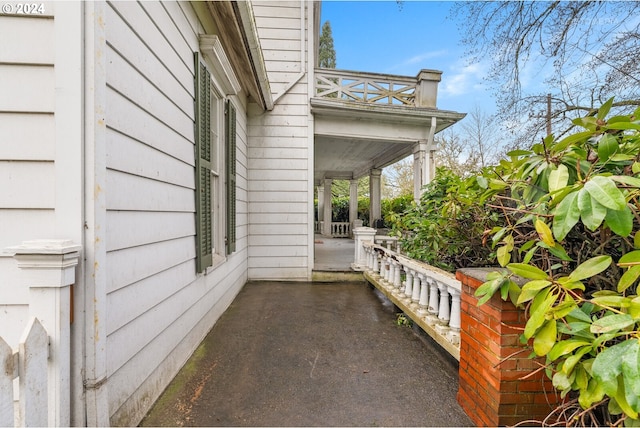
column 28, row 364
column 38, row 371
column 428, row 295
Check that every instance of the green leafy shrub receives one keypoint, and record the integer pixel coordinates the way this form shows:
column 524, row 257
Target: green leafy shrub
column 572, row 230
column 447, row 228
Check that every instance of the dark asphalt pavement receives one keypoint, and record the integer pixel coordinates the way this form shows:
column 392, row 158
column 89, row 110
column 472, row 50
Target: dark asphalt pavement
column 310, row 354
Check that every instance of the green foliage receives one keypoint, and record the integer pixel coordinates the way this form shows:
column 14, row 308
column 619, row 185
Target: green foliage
column 340, row 207
column 326, row 51
column 571, row 229
column 447, row 228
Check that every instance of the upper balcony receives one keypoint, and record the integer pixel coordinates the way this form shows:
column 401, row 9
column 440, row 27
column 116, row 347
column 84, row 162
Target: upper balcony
column 378, row 89
column 366, row 121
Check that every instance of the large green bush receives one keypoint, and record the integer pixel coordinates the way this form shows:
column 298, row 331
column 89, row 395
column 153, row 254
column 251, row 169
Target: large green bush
column 448, row 227
column 565, row 216
column 572, row 229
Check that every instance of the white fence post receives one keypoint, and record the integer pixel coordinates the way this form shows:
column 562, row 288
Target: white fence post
column 361, row 235
column 48, row 269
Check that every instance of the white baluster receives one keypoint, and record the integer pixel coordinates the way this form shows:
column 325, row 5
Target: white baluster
column 388, row 273
column 370, row 259
column 434, row 303
column 375, row 265
column 408, row 287
column 415, row 295
column 423, row 304
column 442, row 326
column 454, row 322
column 443, row 312
column 397, row 282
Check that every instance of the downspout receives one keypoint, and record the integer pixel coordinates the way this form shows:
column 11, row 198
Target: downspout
column 303, row 63
column 96, row 404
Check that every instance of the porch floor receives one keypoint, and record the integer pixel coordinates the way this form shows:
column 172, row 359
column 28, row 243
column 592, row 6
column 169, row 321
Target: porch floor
column 333, row 254
column 311, row 354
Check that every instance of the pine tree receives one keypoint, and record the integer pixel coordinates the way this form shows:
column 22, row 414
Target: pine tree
column 326, row 54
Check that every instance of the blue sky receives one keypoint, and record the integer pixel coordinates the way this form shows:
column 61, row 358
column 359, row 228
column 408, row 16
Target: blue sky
column 384, row 37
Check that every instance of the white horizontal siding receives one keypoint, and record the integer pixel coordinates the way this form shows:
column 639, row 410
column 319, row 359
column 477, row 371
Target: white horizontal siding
column 27, row 184
column 265, row 186
column 38, row 93
column 288, row 197
column 20, row 225
column 132, row 121
column 27, row 88
column 15, row 318
column 276, row 219
column 277, row 229
column 135, row 228
column 124, row 155
column 134, row 264
column 284, row 251
column 280, row 30
column 143, row 194
column 289, row 240
column 11, row 290
column 158, row 308
column 277, row 175
column 282, row 205
column 282, row 120
column 28, row 40
column 144, row 94
column 27, row 136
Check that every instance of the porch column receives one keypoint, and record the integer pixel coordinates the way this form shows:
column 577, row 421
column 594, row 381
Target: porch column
column 423, row 162
column 353, row 201
column 375, row 209
column 326, row 228
column 320, row 202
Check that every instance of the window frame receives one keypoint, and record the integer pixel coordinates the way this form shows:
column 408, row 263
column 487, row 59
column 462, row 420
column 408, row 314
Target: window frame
column 215, row 153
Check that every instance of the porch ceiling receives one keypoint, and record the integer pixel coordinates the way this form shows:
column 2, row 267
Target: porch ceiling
column 352, row 138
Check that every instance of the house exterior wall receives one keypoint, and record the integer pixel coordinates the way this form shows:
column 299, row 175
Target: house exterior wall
column 97, row 119
column 280, row 150
column 41, row 133
column 158, row 308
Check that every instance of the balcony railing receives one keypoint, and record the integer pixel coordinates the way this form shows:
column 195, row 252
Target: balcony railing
column 428, row 295
column 380, row 89
column 338, row 229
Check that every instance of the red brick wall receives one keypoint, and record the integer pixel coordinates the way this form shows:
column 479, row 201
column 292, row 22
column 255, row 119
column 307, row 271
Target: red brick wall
column 492, row 390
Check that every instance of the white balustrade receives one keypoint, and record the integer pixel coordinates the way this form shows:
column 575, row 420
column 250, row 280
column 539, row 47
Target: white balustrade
column 340, row 229
column 375, row 88
column 429, row 296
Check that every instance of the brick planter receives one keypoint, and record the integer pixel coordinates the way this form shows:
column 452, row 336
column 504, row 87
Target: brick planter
column 492, row 390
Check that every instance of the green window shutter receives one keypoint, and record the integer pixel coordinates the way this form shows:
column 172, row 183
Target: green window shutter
column 230, row 136
column 204, row 226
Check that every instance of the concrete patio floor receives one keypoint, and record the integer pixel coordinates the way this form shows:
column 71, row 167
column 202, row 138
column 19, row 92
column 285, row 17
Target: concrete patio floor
column 333, row 254
column 310, row 354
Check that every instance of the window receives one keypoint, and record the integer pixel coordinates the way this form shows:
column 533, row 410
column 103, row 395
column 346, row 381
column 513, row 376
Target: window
column 215, row 203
